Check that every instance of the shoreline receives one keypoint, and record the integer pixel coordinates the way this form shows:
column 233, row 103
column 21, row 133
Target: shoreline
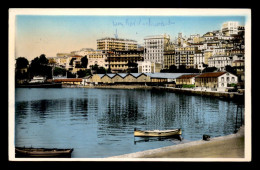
column 222, row 95
column 230, row 146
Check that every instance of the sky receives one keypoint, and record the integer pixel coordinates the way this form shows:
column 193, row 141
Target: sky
column 49, row 35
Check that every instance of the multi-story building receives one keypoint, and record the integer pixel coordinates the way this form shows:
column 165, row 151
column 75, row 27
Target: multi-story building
column 97, row 57
column 149, row 67
column 185, row 56
column 195, row 38
column 207, row 54
column 169, row 58
column 230, row 28
column 117, row 44
column 154, row 47
column 208, row 36
column 199, row 60
column 118, row 61
column 217, row 80
column 220, row 61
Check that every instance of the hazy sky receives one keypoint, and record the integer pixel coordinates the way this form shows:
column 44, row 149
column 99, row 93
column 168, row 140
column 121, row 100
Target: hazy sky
column 49, row 35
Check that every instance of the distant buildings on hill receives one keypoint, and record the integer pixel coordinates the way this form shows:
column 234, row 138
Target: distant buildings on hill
column 216, row 48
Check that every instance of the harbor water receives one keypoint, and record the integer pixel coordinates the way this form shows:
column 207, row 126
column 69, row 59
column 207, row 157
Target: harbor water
column 99, row 123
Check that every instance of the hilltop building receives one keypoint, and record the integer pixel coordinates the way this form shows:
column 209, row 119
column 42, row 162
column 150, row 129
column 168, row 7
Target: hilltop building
column 117, row 44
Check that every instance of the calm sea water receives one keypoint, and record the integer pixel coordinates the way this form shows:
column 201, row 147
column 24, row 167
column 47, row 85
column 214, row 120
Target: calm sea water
column 99, row 123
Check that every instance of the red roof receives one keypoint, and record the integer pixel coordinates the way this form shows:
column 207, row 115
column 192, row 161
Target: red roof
column 187, row 76
column 212, row 74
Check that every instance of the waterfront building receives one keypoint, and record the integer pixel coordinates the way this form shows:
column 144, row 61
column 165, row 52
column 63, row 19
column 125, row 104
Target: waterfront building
column 132, row 78
column 154, row 47
column 164, row 77
column 187, row 79
column 216, row 80
column 117, row 44
column 118, row 78
column 230, row 28
column 96, row 78
column 86, row 80
column 107, row 78
column 141, row 77
column 129, row 78
column 185, row 56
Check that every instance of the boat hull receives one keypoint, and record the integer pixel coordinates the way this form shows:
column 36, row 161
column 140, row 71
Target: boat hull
column 43, row 153
column 167, row 133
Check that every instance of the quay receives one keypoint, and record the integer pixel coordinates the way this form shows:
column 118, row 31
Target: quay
column 189, row 91
column 230, row 146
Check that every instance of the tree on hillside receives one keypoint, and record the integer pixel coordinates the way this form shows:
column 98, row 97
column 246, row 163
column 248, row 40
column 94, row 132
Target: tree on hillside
column 209, row 69
column 71, row 61
column 84, row 62
column 230, row 69
column 83, row 73
column 59, row 71
column 132, row 67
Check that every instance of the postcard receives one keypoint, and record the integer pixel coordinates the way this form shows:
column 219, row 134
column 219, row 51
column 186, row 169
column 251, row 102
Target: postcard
column 161, row 84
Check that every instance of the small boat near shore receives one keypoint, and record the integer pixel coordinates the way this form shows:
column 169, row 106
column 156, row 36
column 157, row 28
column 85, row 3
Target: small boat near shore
column 42, row 152
column 157, row 133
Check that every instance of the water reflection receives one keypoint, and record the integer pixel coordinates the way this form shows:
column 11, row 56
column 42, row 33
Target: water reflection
column 101, row 122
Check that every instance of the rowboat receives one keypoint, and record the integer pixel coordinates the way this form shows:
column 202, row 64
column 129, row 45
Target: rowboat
column 42, row 152
column 157, row 133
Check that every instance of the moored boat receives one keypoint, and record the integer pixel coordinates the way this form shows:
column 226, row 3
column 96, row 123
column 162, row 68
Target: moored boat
column 43, row 152
column 157, row 133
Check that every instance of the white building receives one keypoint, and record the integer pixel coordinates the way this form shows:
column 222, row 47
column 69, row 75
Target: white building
column 154, row 47
column 219, row 51
column 226, row 79
column 149, row 67
column 220, row 61
column 98, row 57
column 230, row 28
column 199, row 59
